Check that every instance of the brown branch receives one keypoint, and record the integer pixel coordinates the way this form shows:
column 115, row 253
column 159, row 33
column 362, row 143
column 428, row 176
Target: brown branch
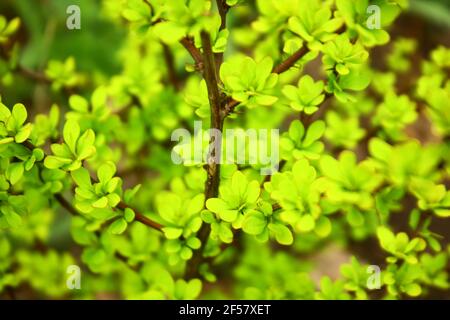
column 213, row 165
column 33, row 75
column 223, row 8
column 22, row 70
column 66, row 205
column 195, row 53
column 140, row 217
column 170, row 63
column 282, row 67
column 188, row 43
column 289, row 62
column 309, row 119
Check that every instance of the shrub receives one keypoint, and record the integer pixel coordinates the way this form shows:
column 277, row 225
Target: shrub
column 88, row 180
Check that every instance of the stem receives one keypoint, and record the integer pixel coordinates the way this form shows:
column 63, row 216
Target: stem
column 33, row 75
column 170, row 63
column 213, row 164
column 282, row 67
column 309, row 119
column 289, row 62
column 66, row 204
column 140, row 217
column 188, row 43
column 223, row 8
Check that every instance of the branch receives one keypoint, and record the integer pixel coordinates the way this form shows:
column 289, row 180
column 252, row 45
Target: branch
column 33, row 75
column 24, row 71
column 309, row 119
column 170, row 63
column 213, row 166
column 282, row 67
column 223, row 8
column 189, row 44
column 66, row 205
column 140, row 217
column 289, row 62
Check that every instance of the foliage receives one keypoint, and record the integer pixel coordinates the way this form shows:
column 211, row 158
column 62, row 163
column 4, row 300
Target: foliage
column 87, row 179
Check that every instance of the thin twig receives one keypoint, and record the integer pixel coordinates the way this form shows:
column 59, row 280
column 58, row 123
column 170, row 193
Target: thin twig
column 289, row 62
column 223, row 8
column 282, row 67
column 33, row 75
column 278, row 69
column 195, row 53
column 188, row 43
column 309, row 119
column 66, row 205
column 170, row 63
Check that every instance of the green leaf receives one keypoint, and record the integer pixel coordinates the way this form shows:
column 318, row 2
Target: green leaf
column 186, row 253
column 71, row 132
column 323, row 227
column 101, row 203
column 15, row 172
column 306, row 223
column 196, row 204
column 169, row 31
column 315, row 131
column 216, row 205
column 193, row 289
column 194, row 243
column 82, row 178
column 23, row 133
column 118, row 226
column 172, row 233
column 414, row 219
column 282, row 233
column 385, row 236
column 52, row 162
column 13, row 219
column 130, row 193
column 5, row 113
column 229, row 215
column 78, row 103
column 19, row 113
column 254, row 223
column 413, row 290
column 208, row 216
column 225, row 234
column 129, row 215
column 85, row 143
column 106, row 171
